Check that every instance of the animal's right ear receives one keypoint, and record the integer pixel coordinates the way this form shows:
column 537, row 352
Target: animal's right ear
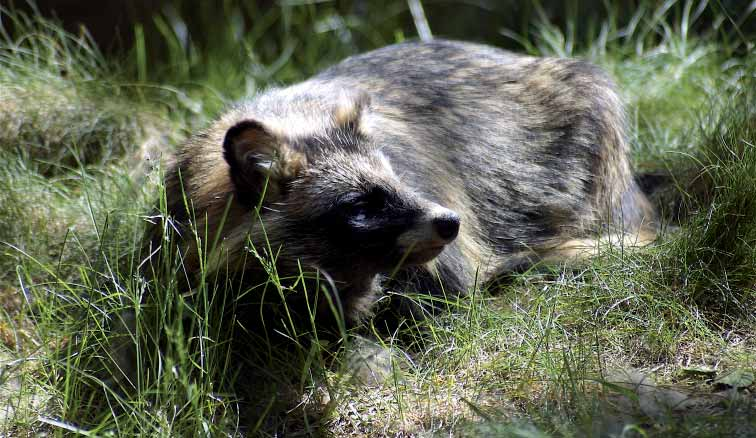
column 259, row 161
column 349, row 111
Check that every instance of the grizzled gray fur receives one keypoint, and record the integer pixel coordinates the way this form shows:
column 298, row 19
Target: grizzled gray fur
column 441, row 160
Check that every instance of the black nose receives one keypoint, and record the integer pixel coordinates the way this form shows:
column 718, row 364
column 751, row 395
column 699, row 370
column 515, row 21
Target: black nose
column 447, row 226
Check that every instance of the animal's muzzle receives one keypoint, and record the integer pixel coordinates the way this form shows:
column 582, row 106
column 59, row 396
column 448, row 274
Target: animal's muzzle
column 446, row 226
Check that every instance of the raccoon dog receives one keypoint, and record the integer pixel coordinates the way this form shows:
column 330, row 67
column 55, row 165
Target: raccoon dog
column 436, row 164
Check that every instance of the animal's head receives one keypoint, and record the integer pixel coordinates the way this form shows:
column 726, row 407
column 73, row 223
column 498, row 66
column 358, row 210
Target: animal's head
column 331, row 200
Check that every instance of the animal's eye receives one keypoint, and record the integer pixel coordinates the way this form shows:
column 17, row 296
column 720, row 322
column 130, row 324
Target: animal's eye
column 360, row 206
column 359, row 210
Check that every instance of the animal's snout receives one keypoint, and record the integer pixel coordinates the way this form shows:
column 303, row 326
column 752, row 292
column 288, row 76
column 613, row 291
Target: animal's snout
column 437, row 228
column 446, row 226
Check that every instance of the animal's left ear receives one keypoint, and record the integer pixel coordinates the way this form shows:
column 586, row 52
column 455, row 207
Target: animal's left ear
column 259, row 161
column 349, row 110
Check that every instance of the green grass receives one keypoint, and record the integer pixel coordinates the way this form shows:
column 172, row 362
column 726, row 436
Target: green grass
column 551, row 353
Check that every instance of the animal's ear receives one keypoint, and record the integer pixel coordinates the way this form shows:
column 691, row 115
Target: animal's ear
column 349, row 110
column 258, row 161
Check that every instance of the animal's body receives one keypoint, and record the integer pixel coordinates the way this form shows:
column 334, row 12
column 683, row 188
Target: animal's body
column 434, row 161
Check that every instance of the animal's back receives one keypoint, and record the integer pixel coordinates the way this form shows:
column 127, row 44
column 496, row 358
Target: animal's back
column 530, row 151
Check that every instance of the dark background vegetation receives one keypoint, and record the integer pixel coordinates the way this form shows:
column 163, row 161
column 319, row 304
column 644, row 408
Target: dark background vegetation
column 111, row 22
column 186, row 40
